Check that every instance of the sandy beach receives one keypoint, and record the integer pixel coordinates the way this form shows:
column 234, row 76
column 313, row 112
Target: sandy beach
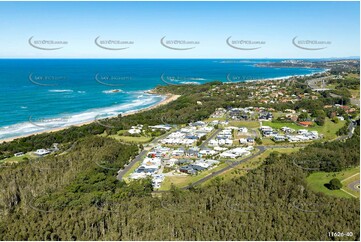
column 168, row 98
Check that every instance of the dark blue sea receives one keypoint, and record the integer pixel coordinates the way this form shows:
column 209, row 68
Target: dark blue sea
column 43, row 94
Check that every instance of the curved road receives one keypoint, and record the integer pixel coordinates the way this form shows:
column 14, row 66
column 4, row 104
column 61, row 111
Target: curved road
column 139, row 157
column 261, row 150
column 236, row 163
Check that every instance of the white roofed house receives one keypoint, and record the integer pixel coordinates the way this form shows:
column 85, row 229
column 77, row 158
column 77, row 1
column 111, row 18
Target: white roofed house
column 192, row 152
column 178, row 152
column 212, row 162
column 213, row 142
column 214, row 122
column 19, row 154
column 161, row 126
column 170, row 162
column 224, row 123
column 243, row 130
column 136, row 175
column 231, row 128
column 202, row 163
column 234, row 153
column 187, row 130
column 188, row 142
column 314, row 133
column 226, row 132
column 292, row 138
column 250, row 140
column 279, row 138
column 151, row 163
column 221, row 142
column 157, row 179
column 287, row 130
column 176, row 135
column 265, row 128
column 302, row 131
column 198, row 123
column 243, row 141
column 228, row 142
column 134, row 131
column 217, row 148
column 206, row 129
column 206, row 152
column 228, row 155
column 300, row 137
column 41, row 152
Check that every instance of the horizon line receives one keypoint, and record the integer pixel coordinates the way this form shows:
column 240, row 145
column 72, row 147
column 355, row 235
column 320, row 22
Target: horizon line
column 182, row 58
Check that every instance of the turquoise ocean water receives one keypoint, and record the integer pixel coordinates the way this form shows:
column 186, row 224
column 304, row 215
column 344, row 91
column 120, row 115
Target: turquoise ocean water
column 42, row 94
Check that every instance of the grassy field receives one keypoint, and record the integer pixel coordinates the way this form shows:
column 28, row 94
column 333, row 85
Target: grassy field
column 328, row 130
column 267, row 141
column 317, row 181
column 182, row 181
column 251, row 164
column 140, row 139
column 350, row 180
column 247, row 124
column 17, row 159
column 119, row 136
column 212, row 119
column 355, row 93
column 135, row 166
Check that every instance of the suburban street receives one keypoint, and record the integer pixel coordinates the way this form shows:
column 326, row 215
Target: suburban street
column 236, row 163
column 139, row 157
column 261, row 150
column 202, row 146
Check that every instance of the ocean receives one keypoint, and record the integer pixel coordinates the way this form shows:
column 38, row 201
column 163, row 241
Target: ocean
column 43, row 94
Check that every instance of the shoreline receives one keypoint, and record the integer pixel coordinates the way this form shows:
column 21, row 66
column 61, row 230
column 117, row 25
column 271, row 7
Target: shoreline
column 167, row 99
column 280, row 78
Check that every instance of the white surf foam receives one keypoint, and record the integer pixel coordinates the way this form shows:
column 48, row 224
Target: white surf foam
column 61, row 90
column 38, row 125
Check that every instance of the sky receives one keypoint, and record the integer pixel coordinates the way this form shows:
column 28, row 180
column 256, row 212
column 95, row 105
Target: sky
column 254, row 29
